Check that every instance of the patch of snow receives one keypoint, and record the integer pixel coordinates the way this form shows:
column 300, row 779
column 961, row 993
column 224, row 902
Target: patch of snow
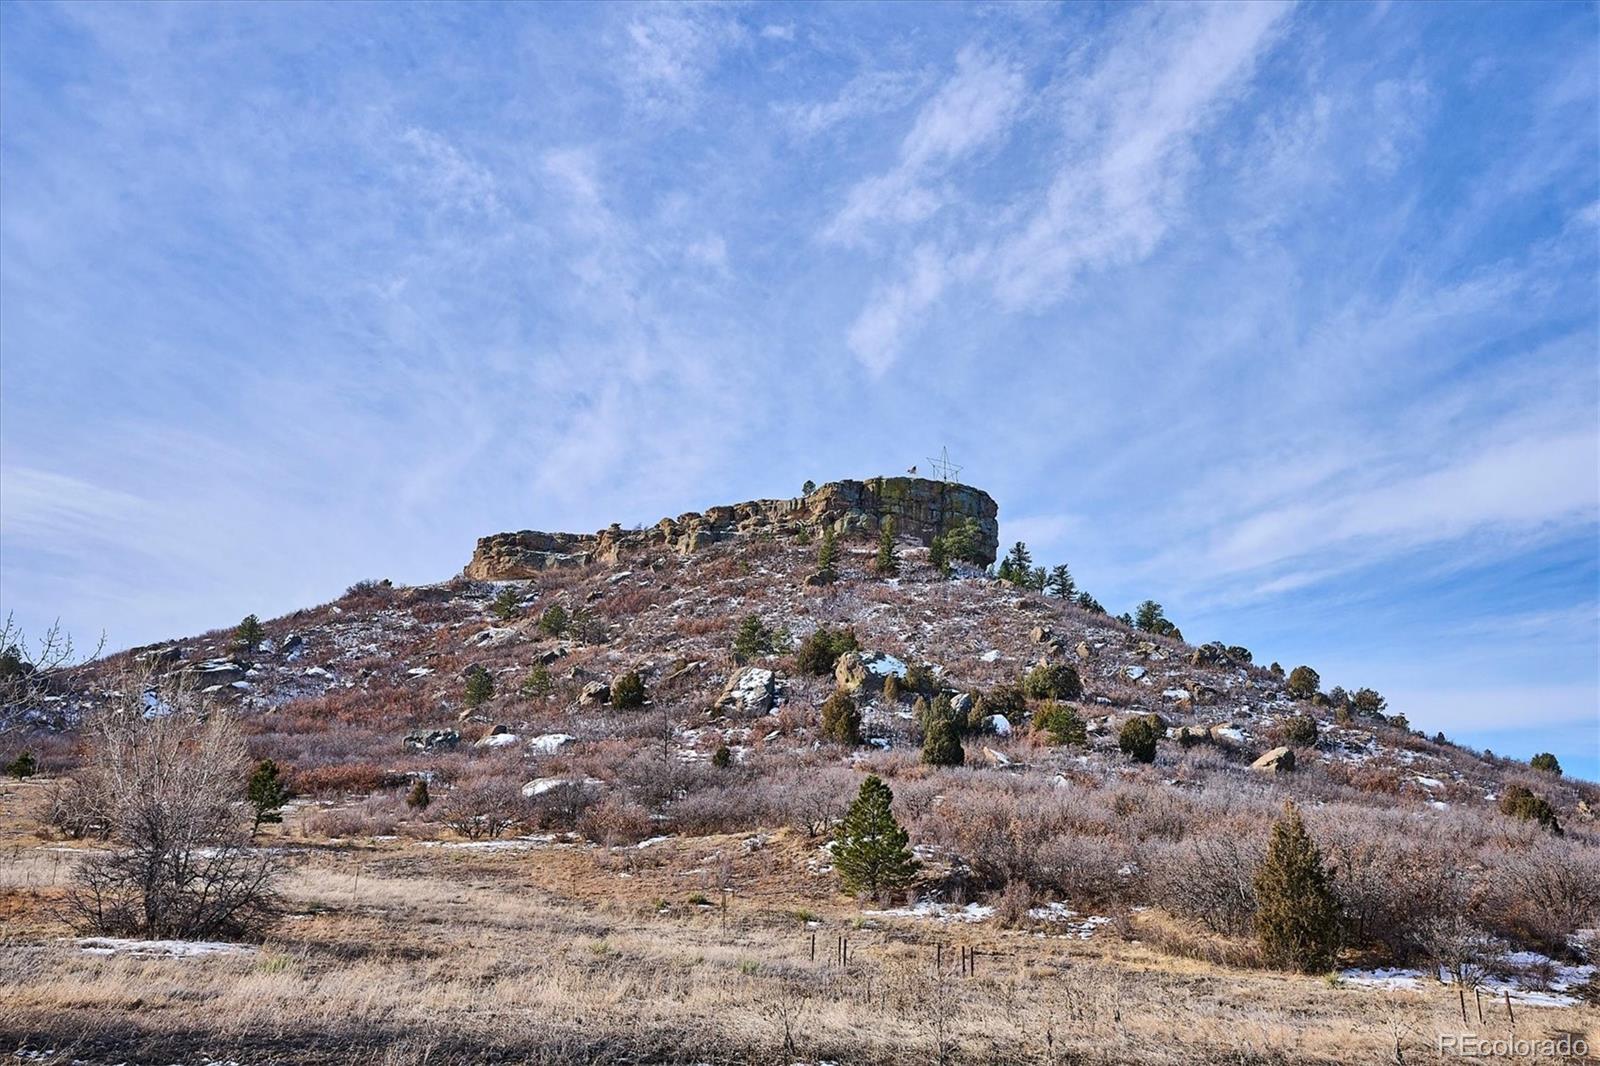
column 1135, row 672
column 938, row 912
column 166, row 949
column 884, row 665
column 1429, row 782
column 1390, row 978
column 315, row 671
column 550, row 743
column 1175, row 693
column 651, row 842
column 419, row 671
column 498, row 740
column 991, row 656
column 509, row 844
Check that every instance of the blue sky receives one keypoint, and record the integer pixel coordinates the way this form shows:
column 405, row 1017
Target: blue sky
column 1283, row 316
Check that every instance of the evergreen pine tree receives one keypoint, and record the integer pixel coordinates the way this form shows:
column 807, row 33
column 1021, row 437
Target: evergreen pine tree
column 627, row 691
column 888, row 563
column 507, row 605
column 1061, row 724
column 267, row 793
column 249, row 634
column 808, row 488
column 939, row 556
column 1060, row 582
column 1149, row 617
column 1297, row 915
column 553, row 622
column 870, row 850
column 753, row 639
column 841, row 719
column 941, row 744
column 480, row 686
column 1087, row 602
column 1017, row 566
column 418, row 799
column 1547, row 762
column 1304, row 683
column 827, row 554
column 722, row 758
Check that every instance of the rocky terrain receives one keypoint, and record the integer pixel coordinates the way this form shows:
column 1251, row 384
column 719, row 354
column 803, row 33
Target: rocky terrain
column 714, row 773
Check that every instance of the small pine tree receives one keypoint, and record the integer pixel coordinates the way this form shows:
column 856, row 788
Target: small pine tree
column 1301, row 730
column 627, row 690
column 1520, row 802
column 507, row 605
column 752, row 640
column 25, row 765
column 1297, row 914
column 480, row 687
column 870, row 850
column 827, row 555
column 418, row 799
column 941, row 744
column 808, row 488
column 1547, row 762
column 1061, row 724
column 1060, row 582
column 248, row 635
column 1138, row 739
column 1366, row 702
column 1017, row 566
column 1052, row 681
column 841, row 719
column 891, row 689
column 888, row 562
column 722, row 758
column 538, row 683
column 1304, row 682
column 1086, row 602
column 553, row 622
column 1149, row 616
column 821, row 650
column 266, row 792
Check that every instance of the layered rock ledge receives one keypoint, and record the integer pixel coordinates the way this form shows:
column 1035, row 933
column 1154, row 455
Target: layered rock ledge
column 921, row 509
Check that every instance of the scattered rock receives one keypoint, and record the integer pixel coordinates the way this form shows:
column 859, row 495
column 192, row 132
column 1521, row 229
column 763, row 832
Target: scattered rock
column 961, row 704
column 996, row 758
column 432, row 740
column 864, row 671
column 998, row 724
column 1277, row 761
column 595, row 692
column 1084, row 651
column 752, row 691
column 1040, row 634
column 1135, row 673
column 493, row 637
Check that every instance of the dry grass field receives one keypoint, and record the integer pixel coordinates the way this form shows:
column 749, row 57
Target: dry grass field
column 412, row 950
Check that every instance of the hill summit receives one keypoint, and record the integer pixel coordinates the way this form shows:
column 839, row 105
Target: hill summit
column 921, row 509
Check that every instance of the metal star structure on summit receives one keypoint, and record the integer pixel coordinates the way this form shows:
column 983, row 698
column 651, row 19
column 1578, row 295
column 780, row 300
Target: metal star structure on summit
column 942, row 466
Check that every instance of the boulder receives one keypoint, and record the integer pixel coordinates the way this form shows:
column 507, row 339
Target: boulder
column 996, row 759
column 752, row 691
column 1238, row 653
column 1190, row 735
column 550, row 743
column 998, row 724
column 594, row 693
column 961, row 704
column 1084, row 651
column 1279, row 760
column 1201, row 694
column 432, row 740
column 1223, row 733
column 1040, row 634
column 864, row 671
column 1135, row 673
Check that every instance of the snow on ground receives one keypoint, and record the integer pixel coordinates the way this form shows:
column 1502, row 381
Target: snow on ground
column 1067, row 922
column 991, row 656
column 509, row 844
column 550, row 743
column 498, row 740
column 159, row 949
column 939, row 912
column 1557, row 993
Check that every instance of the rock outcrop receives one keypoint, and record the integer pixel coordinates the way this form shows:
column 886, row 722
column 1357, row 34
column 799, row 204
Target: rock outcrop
column 920, row 508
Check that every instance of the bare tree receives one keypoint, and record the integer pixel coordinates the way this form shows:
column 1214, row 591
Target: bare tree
column 27, row 667
column 163, row 782
column 482, row 807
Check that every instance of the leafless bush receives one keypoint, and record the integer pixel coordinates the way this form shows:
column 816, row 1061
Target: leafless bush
column 1547, row 890
column 482, row 807
column 28, row 667
column 1209, row 879
column 377, row 815
column 614, row 821
column 167, row 791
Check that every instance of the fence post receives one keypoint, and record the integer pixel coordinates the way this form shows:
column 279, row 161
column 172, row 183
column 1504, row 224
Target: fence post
column 1463, row 994
column 1509, row 1013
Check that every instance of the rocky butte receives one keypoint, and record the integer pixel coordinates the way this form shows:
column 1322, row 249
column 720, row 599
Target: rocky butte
column 920, row 507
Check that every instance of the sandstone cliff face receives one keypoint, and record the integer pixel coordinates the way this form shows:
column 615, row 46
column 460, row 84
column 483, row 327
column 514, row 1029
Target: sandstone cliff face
column 921, row 508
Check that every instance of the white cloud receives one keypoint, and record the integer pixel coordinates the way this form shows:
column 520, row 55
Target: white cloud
column 973, row 108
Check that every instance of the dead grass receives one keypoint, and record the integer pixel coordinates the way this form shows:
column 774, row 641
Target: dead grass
column 401, row 951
